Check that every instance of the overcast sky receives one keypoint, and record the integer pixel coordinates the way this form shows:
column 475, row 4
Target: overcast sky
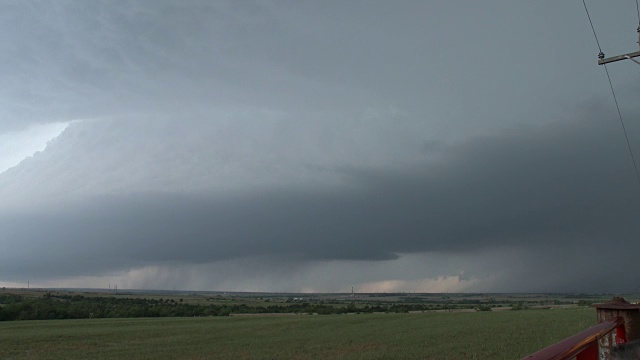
column 424, row 146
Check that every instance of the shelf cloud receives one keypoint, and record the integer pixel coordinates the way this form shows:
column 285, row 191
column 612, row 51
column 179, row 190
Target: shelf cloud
column 281, row 146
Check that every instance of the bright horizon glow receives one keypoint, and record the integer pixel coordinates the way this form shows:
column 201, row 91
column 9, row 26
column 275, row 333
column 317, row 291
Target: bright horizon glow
column 19, row 145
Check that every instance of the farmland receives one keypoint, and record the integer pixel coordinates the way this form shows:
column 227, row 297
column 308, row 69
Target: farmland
column 48, row 304
column 445, row 332
column 432, row 335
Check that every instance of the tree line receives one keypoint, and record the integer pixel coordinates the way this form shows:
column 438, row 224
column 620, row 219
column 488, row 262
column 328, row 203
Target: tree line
column 15, row 307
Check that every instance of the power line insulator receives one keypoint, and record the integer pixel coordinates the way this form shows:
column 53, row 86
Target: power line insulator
column 601, row 55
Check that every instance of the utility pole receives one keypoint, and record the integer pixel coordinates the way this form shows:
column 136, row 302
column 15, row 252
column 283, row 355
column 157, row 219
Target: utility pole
column 629, row 56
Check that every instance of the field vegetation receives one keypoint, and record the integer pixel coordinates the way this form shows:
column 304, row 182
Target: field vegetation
column 92, row 324
column 430, row 335
column 43, row 304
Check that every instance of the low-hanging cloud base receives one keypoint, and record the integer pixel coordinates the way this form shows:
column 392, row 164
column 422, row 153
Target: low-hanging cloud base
column 531, row 208
column 306, row 146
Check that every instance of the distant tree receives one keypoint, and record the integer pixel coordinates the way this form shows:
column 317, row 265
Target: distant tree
column 519, row 306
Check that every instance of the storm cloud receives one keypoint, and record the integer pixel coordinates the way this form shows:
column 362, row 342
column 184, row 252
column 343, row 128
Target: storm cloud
column 564, row 185
column 287, row 146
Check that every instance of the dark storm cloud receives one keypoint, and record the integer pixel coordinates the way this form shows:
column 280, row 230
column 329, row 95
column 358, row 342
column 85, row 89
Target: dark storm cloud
column 66, row 60
column 221, row 130
column 548, row 188
column 70, row 59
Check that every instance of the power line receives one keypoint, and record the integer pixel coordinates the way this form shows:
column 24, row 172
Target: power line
column 613, row 93
column 592, row 28
column 638, row 29
column 624, row 129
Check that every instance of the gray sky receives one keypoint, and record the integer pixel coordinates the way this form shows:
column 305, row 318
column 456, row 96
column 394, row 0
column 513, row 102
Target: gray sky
column 315, row 146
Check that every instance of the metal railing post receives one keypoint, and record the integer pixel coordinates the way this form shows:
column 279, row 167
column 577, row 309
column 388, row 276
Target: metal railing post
column 590, row 353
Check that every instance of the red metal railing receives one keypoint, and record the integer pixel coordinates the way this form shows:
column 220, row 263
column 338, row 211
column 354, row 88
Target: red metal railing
column 584, row 345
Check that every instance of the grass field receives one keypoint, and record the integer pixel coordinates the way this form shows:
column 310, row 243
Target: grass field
column 431, row 335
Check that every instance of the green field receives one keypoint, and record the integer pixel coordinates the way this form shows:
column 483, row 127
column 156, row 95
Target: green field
column 430, row 335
